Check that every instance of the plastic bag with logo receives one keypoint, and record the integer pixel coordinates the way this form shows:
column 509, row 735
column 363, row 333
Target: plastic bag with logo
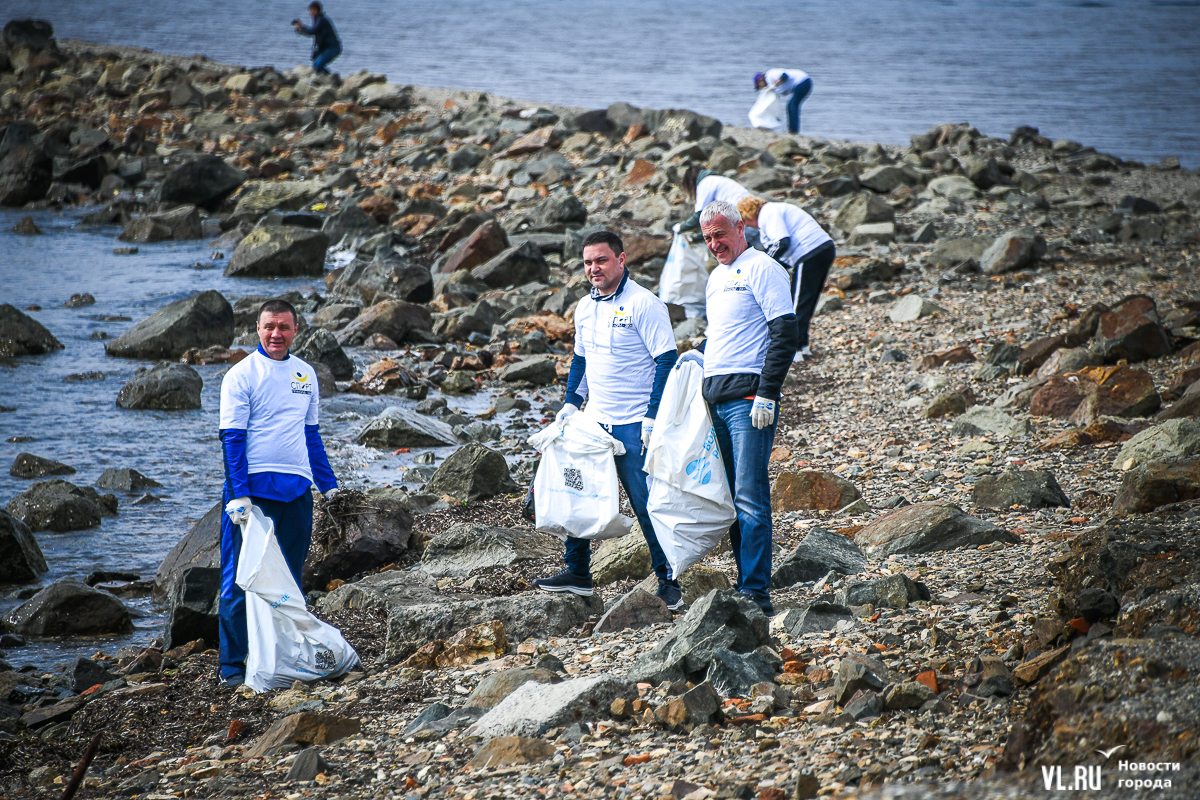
column 684, row 276
column 690, row 503
column 769, row 111
column 286, row 643
column 576, row 491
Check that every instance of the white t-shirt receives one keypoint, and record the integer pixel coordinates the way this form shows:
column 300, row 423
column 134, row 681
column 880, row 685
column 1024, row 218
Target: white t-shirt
column 272, row 401
column 620, row 338
column 782, row 221
column 791, row 79
column 740, row 300
column 715, row 187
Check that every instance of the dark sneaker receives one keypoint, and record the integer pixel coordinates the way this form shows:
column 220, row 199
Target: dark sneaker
column 763, row 603
column 233, row 681
column 566, row 581
column 671, row 594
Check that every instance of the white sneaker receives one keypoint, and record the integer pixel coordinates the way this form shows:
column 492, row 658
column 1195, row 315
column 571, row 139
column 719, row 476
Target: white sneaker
column 798, row 358
column 806, row 350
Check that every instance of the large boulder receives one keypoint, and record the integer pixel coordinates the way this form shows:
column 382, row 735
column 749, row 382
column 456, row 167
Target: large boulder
column 635, row 609
column 21, row 560
column 22, row 335
column 418, row 613
column 180, row 223
column 59, row 505
column 811, row 490
column 817, row 617
column 695, row 582
column 279, row 251
column 466, row 547
column 383, row 95
column 560, row 208
column 515, row 266
column 534, row 708
column 69, row 608
column 959, row 254
column 818, row 554
column 892, row 591
column 1157, row 483
column 395, row 319
column 1174, row 438
column 354, row 533
column 200, row 547
column 205, row 182
column 200, row 321
column 397, row 426
column 27, row 465
column 193, row 611
column 1030, row 488
column 720, row 619
column 384, row 279
column 622, row 558
column 123, row 479
column 259, row 197
column 319, row 346
column 471, row 473
column 495, row 687
column 989, row 421
column 25, row 175
column 1120, row 391
column 460, row 323
column 863, row 210
column 926, row 528
column 1013, row 251
column 167, row 386
column 1132, row 331
column 485, row 243
column 536, row 370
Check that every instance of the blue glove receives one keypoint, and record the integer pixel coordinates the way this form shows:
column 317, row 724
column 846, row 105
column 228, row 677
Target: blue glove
column 762, row 413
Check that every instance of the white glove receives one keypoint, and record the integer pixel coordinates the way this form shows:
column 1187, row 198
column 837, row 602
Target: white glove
column 762, row 413
column 647, row 429
column 677, row 227
column 565, row 412
column 332, row 493
column 238, row 510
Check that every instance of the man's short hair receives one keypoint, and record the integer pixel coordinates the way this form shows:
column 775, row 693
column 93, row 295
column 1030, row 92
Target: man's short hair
column 316, row 5
column 605, row 237
column 720, row 208
column 278, row 306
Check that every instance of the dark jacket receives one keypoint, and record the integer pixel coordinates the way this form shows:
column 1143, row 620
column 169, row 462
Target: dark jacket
column 323, row 33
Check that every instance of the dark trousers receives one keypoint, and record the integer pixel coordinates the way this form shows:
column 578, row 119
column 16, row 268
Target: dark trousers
column 293, row 529
column 808, row 279
column 322, row 60
column 578, row 555
column 793, row 107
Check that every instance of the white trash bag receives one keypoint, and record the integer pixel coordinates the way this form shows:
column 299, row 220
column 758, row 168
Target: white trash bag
column 286, row 643
column 690, row 504
column 769, row 112
column 576, row 491
column 685, row 275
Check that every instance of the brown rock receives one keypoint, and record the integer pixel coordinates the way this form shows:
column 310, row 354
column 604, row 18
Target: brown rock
column 1085, row 328
column 641, row 247
column 946, row 404
column 426, row 655
column 48, row 715
column 380, row 207
column 641, row 172
column 696, row 706
column 1187, row 406
column 1190, row 354
column 812, row 491
column 1068, row 359
column 1057, row 398
column 1132, row 331
column 1036, row 353
column 472, row 644
column 507, row 750
column 1031, row 671
column 1148, row 486
column 1182, row 380
column 395, row 319
column 534, row 141
column 485, row 243
column 1120, row 391
column 305, row 729
column 940, row 358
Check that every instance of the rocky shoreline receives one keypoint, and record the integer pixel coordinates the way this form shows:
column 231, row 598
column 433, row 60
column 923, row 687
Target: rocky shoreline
column 987, row 484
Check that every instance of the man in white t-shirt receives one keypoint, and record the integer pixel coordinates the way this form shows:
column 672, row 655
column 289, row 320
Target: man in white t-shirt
column 625, row 349
column 273, row 455
column 792, row 85
column 751, row 341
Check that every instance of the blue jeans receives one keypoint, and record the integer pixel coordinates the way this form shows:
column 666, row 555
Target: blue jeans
column 293, row 529
column 745, row 451
column 793, row 107
column 578, row 555
column 322, row 59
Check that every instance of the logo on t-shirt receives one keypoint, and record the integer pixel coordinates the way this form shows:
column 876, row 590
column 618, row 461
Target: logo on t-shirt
column 301, row 383
column 622, row 317
column 737, row 282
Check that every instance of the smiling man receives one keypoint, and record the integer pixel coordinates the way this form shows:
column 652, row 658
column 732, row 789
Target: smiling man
column 751, row 340
column 273, row 455
column 625, row 348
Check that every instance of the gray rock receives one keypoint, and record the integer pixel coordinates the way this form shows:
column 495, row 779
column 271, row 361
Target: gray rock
column 398, row 427
column 864, row 704
column 1174, row 438
column 22, row 335
column 532, row 709
column 817, row 618
column 307, row 765
column 559, row 208
column 623, row 558
column 276, row 251
column 722, row 618
column 884, row 178
column 200, row 321
column 355, row 533
column 85, row 673
column 466, row 547
column 68, row 608
column 349, row 220
column 893, row 591
column 537, row 370
column 1033, row 488
column 319, row 346
column 179, row 224
column 167, row 386
column 913, row 307
column 471, row 473
column 1013, row 251
column 872, row 233
column 259, row 197
column 818, row 552
column 733, row 674
column 200, row 547
column 863, row 210
column 383, row 95
column 517, row 265
column 117, row 479
column 954, row 187
column 205, row 181
column 58, row 505
column 395, row 319
column 926, row 528
column 27, row 465
column 908, row 694
column 989, row 421
column 857, row 672
column 459, row 323
column 26, row 172
column 961, row 255
column 490, row 691
column 431, row 714
column 634, row 609
column 696, row 581
column 21, row 559
column 193, row 612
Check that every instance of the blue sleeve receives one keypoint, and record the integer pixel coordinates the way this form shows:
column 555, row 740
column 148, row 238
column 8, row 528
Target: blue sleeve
column 237, row 469
column 578, row 367
column 662, row 369
column 318, row 462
